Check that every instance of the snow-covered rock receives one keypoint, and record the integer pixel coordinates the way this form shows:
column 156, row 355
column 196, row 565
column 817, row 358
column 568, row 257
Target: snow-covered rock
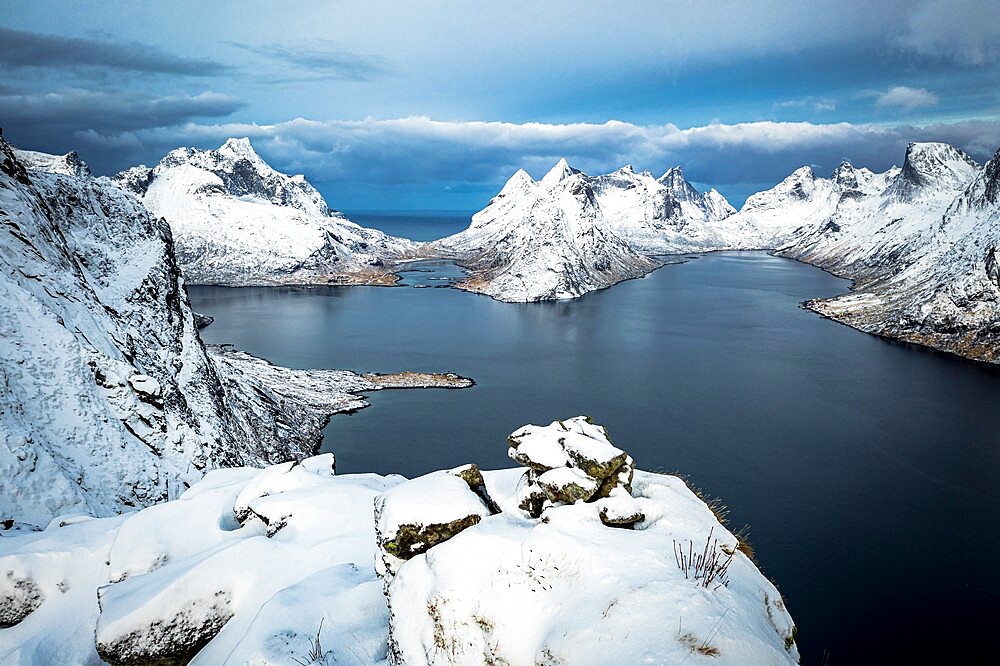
column 108, row 398
column 412, row 517
column 568, row 461
column 187, row 580
column 236, row 221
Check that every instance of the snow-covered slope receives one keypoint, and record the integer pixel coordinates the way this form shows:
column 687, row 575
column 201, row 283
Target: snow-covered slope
column 930, row 274
column 570, row 233
column 237, row 221
column 276, row 566
column 108, row 399
column 864, row 224
column 543, row 241
column 918, row 241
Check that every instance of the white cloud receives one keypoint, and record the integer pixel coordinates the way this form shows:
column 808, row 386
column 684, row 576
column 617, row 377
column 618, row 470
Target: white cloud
column 422, row 151
column 819, row 104
column 904, row 96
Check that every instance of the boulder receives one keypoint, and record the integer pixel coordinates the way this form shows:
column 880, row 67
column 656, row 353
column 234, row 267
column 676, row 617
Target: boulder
column 566, row 485
column 171, row 639
column 621, row 510
column 19, row 597
column 417, row 515
column 568, row 461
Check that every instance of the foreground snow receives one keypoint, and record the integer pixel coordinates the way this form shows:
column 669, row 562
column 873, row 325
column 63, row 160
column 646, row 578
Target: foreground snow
column 236, row 221
column 277, row 566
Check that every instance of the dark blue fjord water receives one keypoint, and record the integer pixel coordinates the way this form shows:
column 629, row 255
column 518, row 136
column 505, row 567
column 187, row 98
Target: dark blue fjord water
column 867, row 471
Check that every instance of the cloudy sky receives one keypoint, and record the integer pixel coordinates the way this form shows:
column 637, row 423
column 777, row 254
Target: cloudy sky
column 434, row 105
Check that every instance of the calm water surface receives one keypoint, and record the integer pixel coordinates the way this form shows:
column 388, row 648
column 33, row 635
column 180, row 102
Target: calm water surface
column 867, row 471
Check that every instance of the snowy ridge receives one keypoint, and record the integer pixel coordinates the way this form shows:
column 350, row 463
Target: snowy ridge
column 108, row 398
column 861, row 223
column 940, row 285
column 570, row 233
column 918, row 242
column 236, row 221
column 251, row 566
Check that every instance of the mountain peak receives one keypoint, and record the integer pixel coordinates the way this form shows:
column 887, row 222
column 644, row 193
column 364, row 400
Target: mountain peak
column 518, row 182
column 69, row 164
column 240, row 147
column 671, row 175
column 561, row 171
column 673, row 179
column 934, row 165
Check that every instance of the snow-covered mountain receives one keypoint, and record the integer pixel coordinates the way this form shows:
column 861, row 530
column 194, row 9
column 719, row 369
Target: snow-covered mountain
column 236, row 221
column 543, row 241
column 923, row 252
column 108, row 398
column 862, row 224
column 918, row 241
column 570, row 233
column 280, row 566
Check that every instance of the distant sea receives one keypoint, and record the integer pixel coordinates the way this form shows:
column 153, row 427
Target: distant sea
column 418, row 225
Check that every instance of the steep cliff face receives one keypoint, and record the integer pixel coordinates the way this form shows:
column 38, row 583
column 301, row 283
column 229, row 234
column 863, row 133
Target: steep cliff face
column 570, row 233
column 236, row 221
column 108, row 399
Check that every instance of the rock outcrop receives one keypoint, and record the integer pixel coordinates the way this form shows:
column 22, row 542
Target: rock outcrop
column 417, row 515
column 568, row 461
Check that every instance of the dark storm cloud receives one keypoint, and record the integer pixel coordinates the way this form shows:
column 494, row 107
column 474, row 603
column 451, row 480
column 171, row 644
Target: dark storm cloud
column 21, row 49
column 102, row 124
column 320, row 60
column 111, row 112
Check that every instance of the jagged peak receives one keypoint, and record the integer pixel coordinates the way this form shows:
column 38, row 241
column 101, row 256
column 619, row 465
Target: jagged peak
column 673, row 179
column 672, row 174
column 70, row 164
column 845, row 175
column 802, row 173
column 934, row 164
column 561, row 171
column 245, row 173
column 717, row 204
column 240, row 147
column 925, row 157
column 519, row 181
